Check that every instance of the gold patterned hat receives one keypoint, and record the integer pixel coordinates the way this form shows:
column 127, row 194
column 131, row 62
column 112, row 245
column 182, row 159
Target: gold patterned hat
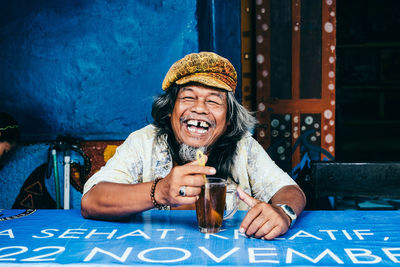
column 206, row 68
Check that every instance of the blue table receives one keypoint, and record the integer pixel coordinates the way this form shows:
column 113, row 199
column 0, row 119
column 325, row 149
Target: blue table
column 329, row 238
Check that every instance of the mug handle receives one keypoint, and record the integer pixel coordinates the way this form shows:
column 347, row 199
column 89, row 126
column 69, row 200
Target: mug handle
column 236, row 204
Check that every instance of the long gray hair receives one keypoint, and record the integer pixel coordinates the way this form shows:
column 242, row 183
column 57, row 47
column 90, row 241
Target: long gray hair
column 240, row 121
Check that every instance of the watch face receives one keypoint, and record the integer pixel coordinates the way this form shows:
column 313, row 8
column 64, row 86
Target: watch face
column 289, row 209
column 290, row 213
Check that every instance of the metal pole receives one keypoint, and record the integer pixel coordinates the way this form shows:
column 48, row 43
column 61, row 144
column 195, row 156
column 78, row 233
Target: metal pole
column 56, row 178
column 67, row 162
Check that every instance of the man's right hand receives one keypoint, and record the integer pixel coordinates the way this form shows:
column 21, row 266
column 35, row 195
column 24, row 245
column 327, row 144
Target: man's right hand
column 190, row 175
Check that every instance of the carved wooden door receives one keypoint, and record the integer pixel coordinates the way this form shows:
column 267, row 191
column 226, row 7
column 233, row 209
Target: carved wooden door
column 288, row 76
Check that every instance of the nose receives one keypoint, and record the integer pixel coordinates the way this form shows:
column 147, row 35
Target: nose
column 200, row 107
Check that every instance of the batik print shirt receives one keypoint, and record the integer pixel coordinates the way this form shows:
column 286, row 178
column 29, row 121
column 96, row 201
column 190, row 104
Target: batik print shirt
column 143, row 157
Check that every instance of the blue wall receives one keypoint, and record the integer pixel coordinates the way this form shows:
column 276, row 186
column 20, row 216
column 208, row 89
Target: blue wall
column 89, row 68
column 92, row 68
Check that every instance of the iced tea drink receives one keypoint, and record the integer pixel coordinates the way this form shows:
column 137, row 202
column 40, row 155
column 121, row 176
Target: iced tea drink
column 211, row 205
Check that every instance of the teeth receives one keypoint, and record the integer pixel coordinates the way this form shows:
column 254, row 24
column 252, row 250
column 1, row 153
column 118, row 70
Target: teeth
column 203, row 124
column 192, row 122
column 198, row 123
column 196, row 130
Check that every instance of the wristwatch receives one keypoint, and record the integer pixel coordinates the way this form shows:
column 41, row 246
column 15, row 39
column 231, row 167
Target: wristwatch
column 289, row 212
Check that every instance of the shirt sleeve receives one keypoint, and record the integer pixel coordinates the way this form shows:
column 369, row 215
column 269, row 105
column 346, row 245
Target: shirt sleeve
column 265, row 177
column 126, row 166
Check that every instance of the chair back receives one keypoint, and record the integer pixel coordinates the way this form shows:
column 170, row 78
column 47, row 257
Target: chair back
column 362, row 179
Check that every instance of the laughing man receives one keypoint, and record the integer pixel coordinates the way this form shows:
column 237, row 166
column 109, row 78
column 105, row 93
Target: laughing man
column 156, row 166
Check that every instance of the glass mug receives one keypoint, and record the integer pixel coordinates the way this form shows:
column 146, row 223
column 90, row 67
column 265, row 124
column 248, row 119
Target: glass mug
column 210, row 206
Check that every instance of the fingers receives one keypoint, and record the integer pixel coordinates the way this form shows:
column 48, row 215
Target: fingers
column 190, row 175
column 264, row 230
column 190, row 197
column 198, row 167
column 270, row 230
column 195, row 169
column 253, row 220
column 192, row 191
column 246, row 198
column 263, row 221
column 275, row 232
column 185, row 201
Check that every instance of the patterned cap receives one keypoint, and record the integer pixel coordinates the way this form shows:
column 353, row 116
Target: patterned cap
column 206, row 68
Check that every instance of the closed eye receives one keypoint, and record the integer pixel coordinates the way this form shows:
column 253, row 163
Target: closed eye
column 214, row 102
column 189, row 98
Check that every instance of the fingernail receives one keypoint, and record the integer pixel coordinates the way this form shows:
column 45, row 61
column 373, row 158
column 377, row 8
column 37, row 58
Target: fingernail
column 241, row 230
column 212, row 171
column 197, row 197
column 262, row 238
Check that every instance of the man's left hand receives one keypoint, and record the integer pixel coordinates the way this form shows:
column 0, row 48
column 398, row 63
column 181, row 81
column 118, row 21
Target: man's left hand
column 263, row 220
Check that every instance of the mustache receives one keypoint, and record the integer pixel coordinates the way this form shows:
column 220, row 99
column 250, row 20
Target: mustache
column 190, row 117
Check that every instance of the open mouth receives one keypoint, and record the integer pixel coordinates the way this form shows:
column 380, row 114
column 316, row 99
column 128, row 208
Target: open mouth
column 197, row 126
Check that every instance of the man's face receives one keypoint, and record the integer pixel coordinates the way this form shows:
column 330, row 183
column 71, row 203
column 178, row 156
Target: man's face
column 199, row 115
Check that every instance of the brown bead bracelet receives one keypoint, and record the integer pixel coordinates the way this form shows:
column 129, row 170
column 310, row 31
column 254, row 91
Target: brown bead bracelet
column 152, row 193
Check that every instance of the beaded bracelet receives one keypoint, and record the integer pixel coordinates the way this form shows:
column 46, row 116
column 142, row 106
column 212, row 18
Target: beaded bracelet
column 153, row 199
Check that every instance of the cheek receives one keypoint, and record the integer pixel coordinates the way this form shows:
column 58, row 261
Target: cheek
column 175, row 124
column 221, row 119
column 174, row 119
column 176, row 112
